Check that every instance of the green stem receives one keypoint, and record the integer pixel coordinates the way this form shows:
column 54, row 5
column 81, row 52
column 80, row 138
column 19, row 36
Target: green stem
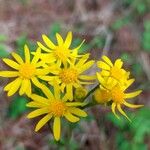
column 89, row 93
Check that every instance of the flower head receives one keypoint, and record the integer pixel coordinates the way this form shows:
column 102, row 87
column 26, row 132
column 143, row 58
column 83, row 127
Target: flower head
column 60, row 52
column 54, row 106
column 111, row 90
column 72, row 75
column 23, row 71
column 114, row 71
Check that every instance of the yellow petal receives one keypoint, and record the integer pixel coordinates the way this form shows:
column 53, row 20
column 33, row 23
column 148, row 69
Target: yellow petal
column 11, row 63
column 122, row 112
column 56, row 91
column 69, row 92
column 43, row 47
column 86, row 66
column 132, row 94
column 37, row 112
column 36, row 56
column 42, row 72
column 113, row 107
column 78, row 112
column 132, row 105
column 100, row 78
column 9, row 74
column 86, row 77
column 75, row 50
column 28, row 90
column 105, row 73
column 70, row 117
column 14, row 87
column 47, row 78
column 107, row 60
column 82, row 83
column 47, row 92
column 9, row 85
column 75, row 104
column 59, row 39
column 27, row 54
column 57, row 128
column 40, row 99
column 103, row 65
column 17, row 58
column 118, row 63
column 82, row 60
column 43, row 121
column 129, row 82
column 68, row 40
column 35, row 104
column 48, row 42
column 24, row 86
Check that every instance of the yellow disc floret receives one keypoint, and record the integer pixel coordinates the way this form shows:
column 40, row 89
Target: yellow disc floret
column 27, row 70
column 58, row 108
column 117, row 95
column 68, row 75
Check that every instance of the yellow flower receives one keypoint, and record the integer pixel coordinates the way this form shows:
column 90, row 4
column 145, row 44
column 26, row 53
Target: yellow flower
column 102, row 95
column 72, row 75
column 61, row 52
column 114, row 71
column 53, row 106
column 24, row 72
column 117, row 94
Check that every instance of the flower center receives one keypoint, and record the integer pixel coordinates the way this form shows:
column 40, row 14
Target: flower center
column 58, row 108
column 68, row 75
column 27, row 70
column 116, row 73
column 117, row 95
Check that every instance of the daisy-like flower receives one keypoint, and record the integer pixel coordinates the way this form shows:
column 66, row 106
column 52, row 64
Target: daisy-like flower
column 72, row 75
column 60, row 52
column 23, row 72
column 54, row 106
column 116, row 93
column 114, row 71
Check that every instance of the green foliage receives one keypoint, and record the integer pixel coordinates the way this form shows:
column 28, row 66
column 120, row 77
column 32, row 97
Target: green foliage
column 146, row 36
column 126, row 57
column 21, row 41
column 132, row 135
column 121, row 22
column 137, row 69
column 55, row 28
column 3, row 48
column 17, row 107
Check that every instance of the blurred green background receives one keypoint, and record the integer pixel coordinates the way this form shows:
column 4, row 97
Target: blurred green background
column 117, row 28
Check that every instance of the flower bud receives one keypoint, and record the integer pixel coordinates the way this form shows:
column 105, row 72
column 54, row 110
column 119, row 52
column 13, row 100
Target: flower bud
column 102, row 96
column 80, row 93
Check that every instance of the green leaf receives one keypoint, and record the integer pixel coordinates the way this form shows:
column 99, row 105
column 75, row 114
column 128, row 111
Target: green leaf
column 137, row 69
column 147, row 25
column 120, row 22
column 3, row 52
column 55, row 28
column 141, row 8
column 17, row 107
column 121, row 124
column 21, row 41
column 3, row 38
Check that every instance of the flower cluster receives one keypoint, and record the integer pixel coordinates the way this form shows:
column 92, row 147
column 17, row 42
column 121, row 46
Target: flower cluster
column 60, row 72
column 114, row 81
